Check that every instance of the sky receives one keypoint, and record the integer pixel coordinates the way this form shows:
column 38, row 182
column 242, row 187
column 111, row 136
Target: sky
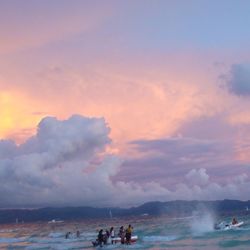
column 117, row 103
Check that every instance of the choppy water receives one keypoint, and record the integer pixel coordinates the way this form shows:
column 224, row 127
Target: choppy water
column 154, row 233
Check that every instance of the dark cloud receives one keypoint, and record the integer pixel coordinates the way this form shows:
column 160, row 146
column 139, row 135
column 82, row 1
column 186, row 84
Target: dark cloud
column 238, row 80
column 180, row 146
column 168, row 161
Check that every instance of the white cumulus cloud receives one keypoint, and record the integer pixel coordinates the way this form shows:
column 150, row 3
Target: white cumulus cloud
column 197, row 177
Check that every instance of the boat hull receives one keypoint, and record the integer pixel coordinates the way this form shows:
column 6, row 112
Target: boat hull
column 119, row 240
column 224, row 226
column 116, row 240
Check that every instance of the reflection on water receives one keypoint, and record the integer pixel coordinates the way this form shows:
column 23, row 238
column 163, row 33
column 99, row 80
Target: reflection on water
column 153, row 233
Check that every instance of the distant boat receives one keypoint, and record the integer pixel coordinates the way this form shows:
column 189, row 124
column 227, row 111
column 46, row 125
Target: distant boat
column 55, row 221
column 247, row 209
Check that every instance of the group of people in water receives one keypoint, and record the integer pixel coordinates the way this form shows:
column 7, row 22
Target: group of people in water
column 104, row 235
column 108, row 236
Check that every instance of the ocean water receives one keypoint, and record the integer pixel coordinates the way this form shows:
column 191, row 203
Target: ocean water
column 195, row 232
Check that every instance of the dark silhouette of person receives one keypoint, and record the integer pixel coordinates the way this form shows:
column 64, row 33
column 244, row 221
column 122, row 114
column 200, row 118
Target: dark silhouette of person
column 100, row 237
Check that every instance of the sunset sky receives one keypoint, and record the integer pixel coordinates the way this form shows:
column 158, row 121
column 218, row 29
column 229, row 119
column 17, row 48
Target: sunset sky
column 116, row 103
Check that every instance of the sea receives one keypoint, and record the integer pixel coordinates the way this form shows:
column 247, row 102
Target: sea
column 181, row 233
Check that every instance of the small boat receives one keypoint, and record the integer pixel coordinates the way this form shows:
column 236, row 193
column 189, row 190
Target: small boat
column 55, row 221
column 227, row 226
column 233, row 226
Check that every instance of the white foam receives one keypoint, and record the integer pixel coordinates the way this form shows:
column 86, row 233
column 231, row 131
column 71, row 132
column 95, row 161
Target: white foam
column 12, row 240
column 56, row 235
column 159, row 238
column 7, row 230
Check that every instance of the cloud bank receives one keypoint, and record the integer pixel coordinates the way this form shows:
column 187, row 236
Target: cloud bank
column 66, row 163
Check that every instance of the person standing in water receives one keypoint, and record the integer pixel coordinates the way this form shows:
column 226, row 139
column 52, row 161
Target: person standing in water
column 100, row 237
column 128, row 234
column 112, row 234
column 121, row 234
column 77, row 233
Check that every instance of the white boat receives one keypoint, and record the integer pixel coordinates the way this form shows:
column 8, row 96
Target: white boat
column 227, row 226
column 119, row 240
column 116, row 240
column 233, row 226
column 55, row 221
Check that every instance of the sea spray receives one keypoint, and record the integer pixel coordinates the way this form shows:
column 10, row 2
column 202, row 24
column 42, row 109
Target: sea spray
column 202, row 223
